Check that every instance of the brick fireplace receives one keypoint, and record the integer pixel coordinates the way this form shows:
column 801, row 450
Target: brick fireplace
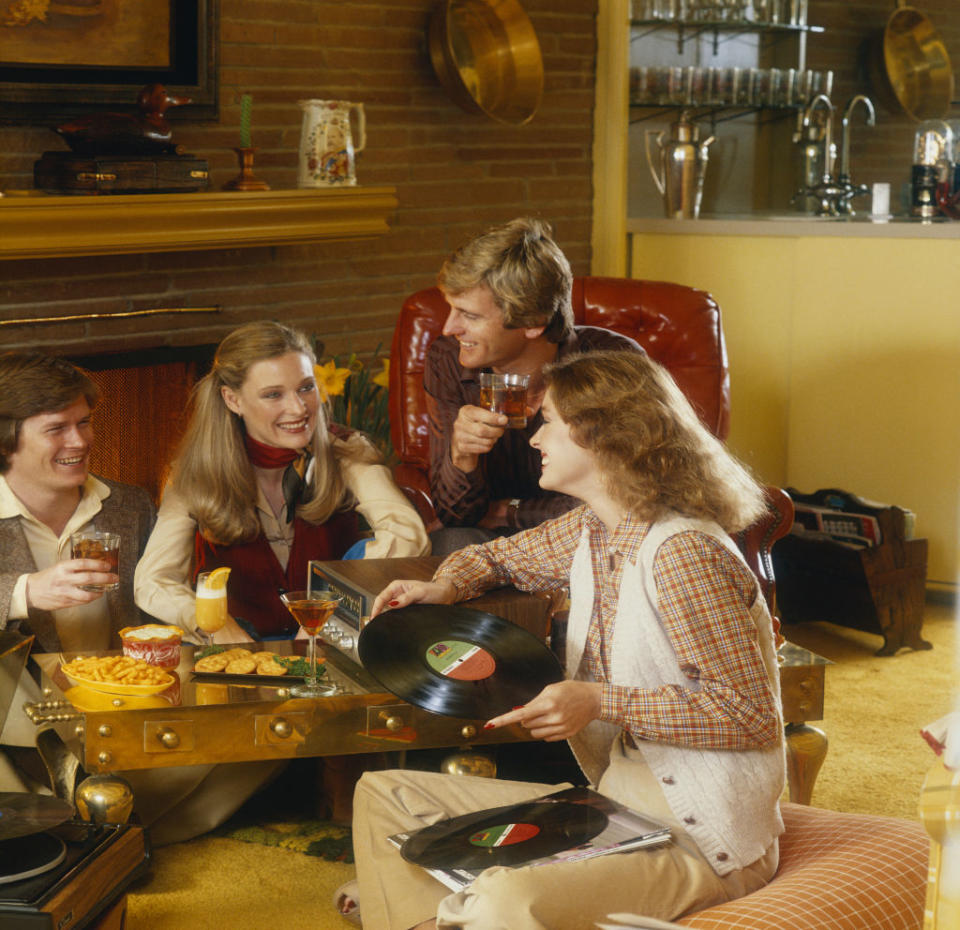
column 452, row 172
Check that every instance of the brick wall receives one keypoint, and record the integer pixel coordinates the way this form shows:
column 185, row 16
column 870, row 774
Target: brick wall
column 454, row 173
column 883, row 152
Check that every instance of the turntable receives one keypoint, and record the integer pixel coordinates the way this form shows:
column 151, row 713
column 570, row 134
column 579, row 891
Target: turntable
column 57, row 872
column 60, row 873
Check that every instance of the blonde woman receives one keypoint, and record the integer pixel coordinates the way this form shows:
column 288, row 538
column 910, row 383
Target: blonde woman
column 263, row 484
column 673, row 705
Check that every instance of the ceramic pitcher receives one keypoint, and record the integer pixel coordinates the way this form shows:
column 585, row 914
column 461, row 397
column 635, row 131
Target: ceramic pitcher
column 327, row 148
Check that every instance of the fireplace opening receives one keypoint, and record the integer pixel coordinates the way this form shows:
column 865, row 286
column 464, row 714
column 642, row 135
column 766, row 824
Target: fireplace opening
column 142, row 410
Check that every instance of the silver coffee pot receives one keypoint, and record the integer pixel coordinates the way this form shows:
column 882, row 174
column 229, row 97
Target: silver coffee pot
column 679, row 166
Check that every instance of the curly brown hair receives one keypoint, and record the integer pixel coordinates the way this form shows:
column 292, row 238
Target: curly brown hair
column 654, row 453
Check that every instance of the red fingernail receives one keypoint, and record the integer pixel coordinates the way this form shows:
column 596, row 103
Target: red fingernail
column 488, row 726
column 394, row 603
column 519, row 707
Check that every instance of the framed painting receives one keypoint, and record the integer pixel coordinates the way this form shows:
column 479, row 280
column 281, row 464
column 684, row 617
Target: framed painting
column 65, row 58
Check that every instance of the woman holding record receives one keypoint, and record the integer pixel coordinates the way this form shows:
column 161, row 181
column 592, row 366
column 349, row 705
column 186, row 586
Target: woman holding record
column 672, row 706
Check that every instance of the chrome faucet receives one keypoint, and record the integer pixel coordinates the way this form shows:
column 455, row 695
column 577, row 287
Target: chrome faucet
column 834, row 193
column 826, row 191
column 829, row 150
column 843, row 178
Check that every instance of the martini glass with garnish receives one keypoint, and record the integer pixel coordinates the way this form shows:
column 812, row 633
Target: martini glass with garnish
column 311, row 609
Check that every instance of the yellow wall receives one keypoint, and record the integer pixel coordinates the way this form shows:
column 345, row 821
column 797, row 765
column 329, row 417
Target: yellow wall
column 844, row 360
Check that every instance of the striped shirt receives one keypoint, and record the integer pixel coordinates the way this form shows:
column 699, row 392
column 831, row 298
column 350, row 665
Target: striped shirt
column 704, row 594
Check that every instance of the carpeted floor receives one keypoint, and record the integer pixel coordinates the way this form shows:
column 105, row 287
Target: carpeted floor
column 876, row 763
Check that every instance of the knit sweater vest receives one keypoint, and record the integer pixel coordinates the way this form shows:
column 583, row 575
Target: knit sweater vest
column 726, row 799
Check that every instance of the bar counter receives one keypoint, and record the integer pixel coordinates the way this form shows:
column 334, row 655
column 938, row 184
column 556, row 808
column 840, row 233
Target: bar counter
column 799, row 224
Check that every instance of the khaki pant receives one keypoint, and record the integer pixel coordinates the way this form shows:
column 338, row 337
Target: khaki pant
column 664, row 882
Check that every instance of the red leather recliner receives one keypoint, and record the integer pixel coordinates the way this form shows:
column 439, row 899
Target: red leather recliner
column 678, row 326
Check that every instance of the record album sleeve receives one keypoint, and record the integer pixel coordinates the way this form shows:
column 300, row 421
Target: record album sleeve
column 625, row 830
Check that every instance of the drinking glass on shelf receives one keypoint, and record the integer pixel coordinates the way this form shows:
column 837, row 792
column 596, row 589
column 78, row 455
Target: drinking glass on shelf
column 211, row 602
column 311, row 609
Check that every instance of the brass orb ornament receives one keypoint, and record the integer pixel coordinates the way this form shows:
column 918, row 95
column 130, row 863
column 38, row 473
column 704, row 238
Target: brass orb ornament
column 487, row 57
column 104, row 799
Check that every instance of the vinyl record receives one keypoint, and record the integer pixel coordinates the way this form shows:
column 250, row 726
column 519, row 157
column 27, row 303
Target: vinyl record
column 456, row 661
column 507, row 835
column 23, row 814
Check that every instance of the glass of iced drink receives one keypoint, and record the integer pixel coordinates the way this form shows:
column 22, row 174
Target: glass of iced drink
column 93, row 544
column 506, row 394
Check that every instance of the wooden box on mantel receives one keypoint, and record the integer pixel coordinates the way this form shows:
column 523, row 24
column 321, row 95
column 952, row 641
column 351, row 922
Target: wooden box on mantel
column 67, row 173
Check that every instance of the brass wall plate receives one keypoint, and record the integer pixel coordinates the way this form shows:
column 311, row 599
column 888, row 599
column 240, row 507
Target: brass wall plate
column 487, row 57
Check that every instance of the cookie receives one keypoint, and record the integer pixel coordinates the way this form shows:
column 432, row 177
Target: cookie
column 241, row 666
column 271, row 668
column 213, row 663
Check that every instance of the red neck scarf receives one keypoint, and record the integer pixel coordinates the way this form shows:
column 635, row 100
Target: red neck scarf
column 264, row 456
column 293, row 461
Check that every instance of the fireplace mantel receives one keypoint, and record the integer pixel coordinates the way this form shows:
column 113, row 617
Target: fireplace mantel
column 46, row 226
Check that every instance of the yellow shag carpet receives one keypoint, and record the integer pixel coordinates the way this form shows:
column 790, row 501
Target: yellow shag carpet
column 875, row 708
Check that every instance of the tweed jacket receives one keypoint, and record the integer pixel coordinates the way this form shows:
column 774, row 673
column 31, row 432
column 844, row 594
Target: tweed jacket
column 127, row 511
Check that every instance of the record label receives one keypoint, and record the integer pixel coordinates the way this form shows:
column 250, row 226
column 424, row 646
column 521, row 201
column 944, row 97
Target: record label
column 505, row 834
column 463, row 661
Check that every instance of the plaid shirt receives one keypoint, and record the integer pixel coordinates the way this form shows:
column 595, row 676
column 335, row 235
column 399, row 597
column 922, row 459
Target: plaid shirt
column 704, row 594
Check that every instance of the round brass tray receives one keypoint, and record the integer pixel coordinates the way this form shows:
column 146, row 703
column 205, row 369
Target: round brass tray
column 487, row 57
column 911, row 66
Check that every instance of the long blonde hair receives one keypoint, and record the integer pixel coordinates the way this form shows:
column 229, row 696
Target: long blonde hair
column 654, row 453
column 212, row 472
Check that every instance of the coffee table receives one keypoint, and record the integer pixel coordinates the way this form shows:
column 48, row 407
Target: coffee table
column 204, row 721
column 802, row 675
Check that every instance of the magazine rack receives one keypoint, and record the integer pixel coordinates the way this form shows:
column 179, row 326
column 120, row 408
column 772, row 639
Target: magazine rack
column 877, row 587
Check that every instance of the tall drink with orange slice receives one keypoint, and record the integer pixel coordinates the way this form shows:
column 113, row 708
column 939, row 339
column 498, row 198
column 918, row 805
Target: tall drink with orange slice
column 212, row 601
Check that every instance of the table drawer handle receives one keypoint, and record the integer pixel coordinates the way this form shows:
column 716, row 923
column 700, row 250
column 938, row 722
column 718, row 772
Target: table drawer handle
column 169, row 737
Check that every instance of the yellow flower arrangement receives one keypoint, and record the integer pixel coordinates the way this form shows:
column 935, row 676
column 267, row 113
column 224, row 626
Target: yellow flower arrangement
column 357, row 399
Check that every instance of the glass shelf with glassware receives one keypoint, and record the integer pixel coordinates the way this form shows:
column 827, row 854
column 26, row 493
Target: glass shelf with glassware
column 692, row 18
column 740, row 90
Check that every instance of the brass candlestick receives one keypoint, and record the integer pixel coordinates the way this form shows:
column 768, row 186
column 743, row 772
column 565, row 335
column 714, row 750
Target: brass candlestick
column 245, row 181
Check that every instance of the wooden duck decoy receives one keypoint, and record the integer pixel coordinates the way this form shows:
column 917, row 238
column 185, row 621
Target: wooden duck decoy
column 145, row 132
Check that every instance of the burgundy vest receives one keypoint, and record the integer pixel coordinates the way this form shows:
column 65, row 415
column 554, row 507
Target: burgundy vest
column 257, row 580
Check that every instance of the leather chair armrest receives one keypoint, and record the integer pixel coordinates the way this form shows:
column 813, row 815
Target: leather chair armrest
column 412, row 480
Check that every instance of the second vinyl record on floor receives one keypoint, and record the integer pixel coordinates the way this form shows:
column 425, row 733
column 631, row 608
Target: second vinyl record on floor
column 456, row 661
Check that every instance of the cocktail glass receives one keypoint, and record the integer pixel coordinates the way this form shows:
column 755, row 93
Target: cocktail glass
column 311, row 609
column 211, row 605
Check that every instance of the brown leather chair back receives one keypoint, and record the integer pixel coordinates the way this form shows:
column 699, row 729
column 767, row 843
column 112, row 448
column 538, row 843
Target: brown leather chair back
column 757, row 540
column 679, row 327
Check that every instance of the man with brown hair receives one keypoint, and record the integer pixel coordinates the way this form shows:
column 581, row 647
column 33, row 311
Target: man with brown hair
column 46, row 494
column 509, row 294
